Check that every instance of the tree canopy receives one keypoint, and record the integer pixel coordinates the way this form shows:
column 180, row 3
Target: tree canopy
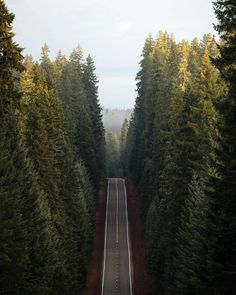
column 181, row 152
column 52, row 148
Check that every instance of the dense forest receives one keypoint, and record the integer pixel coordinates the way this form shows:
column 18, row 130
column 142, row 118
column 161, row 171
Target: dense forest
column 178, row 146
column 181, row 154
column 52, row 155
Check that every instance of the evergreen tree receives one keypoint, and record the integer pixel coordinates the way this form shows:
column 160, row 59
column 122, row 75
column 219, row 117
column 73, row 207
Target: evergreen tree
column 91, row 91
column 177, row 123
column 46, row 134
column 192, row 259
column 113, row 166
column 47, row 66
column 27, row 238
column 224, row 267
column 139, row 120
column 73, row 96
column 47, row 155
column 123, row 141
column 14, row 258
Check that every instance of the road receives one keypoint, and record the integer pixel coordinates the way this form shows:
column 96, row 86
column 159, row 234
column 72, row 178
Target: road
column 117, row 261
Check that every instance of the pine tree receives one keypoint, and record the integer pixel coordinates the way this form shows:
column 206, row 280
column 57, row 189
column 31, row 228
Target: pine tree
column 224, row 266
column 123, row 142
column 14, row 258
column 113, row 166
column 66, row 183
column 178, row 153
column 37, row 118
column 47, row 151
column 193, row 235
column 47, row 66
column 73, row 96
column 91, row 91
column 139, row 119
column 27, row 237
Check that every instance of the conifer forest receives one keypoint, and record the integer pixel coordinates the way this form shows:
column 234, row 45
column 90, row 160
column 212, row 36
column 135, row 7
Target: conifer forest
column 178, row 148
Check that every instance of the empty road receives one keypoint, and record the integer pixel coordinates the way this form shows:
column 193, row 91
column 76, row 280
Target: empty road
column 117, row 261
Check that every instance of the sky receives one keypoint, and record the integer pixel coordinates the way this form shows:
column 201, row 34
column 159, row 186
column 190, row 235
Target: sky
column 112, row 31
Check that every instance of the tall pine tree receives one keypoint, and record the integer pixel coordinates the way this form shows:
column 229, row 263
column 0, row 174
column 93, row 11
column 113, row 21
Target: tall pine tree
column 224, row 256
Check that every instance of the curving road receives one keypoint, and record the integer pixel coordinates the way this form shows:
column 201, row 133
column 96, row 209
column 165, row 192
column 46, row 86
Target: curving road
column 117, row 263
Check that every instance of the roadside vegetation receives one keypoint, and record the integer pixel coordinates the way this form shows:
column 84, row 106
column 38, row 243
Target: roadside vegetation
column 181, row 150
column 52, row 154
column 116, row 129
column 178, row 147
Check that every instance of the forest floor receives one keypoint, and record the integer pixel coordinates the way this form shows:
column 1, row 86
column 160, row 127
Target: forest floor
column 142, row 284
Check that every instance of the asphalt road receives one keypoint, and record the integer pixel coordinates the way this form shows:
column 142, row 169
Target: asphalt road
column 117, row 264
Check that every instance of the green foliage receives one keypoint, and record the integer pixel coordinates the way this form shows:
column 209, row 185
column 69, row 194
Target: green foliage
column 174, row 147
column 14, row 257
column 51, row 158
column 123, row 142
column 76, row 85
column 113, row 165
column 91, row 90
column 223, row 268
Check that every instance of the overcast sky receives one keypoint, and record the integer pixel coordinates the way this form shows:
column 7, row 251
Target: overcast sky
column 112, row 31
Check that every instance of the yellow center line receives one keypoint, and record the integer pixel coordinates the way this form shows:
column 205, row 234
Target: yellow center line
column 117, row 214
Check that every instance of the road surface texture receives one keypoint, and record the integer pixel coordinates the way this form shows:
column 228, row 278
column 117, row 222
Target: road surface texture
column 117, row 264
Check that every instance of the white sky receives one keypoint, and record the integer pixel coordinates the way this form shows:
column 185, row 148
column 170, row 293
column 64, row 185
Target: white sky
column 112, row 31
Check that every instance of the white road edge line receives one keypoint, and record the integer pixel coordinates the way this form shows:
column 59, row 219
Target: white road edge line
column 128, row 239
column 105, row 239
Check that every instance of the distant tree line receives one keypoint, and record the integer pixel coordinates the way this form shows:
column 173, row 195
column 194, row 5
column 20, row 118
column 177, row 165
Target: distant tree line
column 113, row 164
column 52, row 155
column 114, row 118
column 116, row 165
column 116, row 127
column 181, row 153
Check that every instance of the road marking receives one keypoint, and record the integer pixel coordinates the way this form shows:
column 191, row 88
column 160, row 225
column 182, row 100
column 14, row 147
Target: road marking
column 128, row 240
column 117, row 240
column 105, row 238
column 117, row 214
